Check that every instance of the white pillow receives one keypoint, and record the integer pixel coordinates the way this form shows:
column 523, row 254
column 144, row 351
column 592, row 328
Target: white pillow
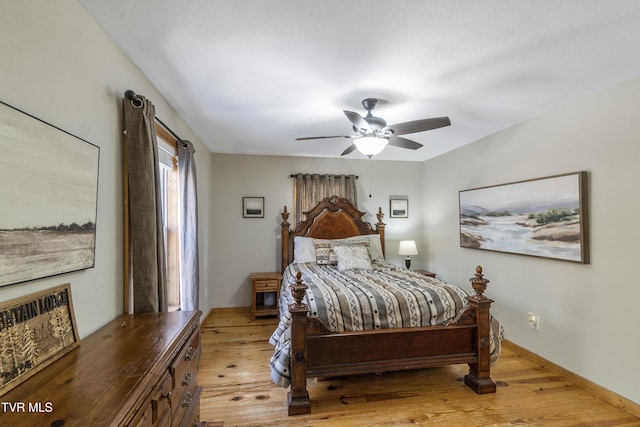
column 352, row 257
column 303, row 249
column 375, row 247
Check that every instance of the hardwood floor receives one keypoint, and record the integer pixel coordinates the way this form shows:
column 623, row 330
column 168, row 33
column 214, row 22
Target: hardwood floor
column 238, row 391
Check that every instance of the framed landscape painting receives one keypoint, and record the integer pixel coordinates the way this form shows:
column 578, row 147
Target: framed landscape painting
column 48, row 193
column 253, row 207
column 398, row 208
column 545, row 217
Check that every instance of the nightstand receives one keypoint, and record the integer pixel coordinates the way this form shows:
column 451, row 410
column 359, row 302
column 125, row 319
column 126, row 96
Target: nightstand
column 426, row 273
column 264, row 283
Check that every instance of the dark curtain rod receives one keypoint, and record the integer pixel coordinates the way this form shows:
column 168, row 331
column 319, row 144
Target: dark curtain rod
column 137, row 102
column 293, row 175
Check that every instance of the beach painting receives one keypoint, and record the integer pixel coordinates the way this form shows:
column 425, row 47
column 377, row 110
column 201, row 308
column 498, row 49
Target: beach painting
column 544, row 217
column 48, row 194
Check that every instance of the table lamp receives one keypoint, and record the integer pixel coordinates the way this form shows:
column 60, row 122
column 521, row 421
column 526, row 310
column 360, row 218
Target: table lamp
column 408, row 248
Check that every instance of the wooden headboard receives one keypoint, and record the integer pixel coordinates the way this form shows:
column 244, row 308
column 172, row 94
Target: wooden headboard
column 331, row 218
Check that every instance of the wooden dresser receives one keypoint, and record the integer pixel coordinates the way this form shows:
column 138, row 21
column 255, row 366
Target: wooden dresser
column 138, row 370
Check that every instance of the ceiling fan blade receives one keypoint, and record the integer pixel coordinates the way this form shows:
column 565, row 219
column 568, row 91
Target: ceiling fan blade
column 323, row 137
column 348, row 150
column 357, row 120
column 398, row 141
column 419, row 125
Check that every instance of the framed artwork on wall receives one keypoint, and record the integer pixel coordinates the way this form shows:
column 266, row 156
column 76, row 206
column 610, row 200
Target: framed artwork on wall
column 545, row 217
column 399, row 208
column 49, row 195
column 253, row 207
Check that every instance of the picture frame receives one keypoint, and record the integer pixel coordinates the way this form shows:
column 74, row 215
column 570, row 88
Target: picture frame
column 253, row 207
column 36, row 329
column 543, row 217
column 398, row 208
column 49, row 177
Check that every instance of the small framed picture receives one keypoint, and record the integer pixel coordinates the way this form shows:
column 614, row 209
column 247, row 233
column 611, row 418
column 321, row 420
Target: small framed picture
column 399, row 208
column 253, row 207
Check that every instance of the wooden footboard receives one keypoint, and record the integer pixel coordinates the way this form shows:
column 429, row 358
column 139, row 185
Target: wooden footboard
column 317, row 352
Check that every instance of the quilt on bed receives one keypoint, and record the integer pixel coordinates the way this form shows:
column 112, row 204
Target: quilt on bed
column 386, row 296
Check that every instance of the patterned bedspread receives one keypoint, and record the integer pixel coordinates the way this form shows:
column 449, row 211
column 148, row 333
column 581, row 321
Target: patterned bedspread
column 387, row 296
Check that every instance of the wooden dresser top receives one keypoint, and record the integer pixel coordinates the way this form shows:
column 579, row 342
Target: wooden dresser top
column 112, row 371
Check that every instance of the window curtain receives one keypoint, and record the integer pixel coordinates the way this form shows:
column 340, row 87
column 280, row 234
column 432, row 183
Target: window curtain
column 147, row 262
column 309, row 189
column 189, row 269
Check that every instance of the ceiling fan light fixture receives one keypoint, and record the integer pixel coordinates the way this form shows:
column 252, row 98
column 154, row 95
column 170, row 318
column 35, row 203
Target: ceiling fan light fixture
column 371, row 145
column 373, row 134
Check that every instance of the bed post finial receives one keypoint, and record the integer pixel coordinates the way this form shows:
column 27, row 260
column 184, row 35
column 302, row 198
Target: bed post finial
column 479, row 283
column 286, row 245
column 380, row 227
column 299, row 290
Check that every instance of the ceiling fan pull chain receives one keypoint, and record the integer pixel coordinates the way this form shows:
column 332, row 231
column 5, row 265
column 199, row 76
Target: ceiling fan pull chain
column 370, row 166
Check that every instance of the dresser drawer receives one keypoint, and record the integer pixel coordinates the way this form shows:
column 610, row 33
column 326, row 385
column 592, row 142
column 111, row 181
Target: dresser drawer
column 145, row 420
column 184, row 376
column 192, row 414
column 186, row 403
column 186, row 382
column 161, row 401
column 181, row 366
column 165, row 421
column 266, row 285
column 159, row 407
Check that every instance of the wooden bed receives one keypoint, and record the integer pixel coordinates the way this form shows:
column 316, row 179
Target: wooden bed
column 318, row 352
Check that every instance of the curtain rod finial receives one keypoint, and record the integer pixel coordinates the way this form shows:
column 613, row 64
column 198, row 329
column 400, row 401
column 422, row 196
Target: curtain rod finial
column 135, row 99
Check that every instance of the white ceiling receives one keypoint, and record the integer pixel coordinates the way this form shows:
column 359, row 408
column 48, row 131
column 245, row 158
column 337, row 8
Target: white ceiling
column 249, row 76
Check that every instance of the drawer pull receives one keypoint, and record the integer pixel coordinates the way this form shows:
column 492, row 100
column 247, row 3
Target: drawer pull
column 168, row 395
column 187, row 379
column 190, row 352
column 186, row 402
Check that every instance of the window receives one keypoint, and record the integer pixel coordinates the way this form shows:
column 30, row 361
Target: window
column 167, row 155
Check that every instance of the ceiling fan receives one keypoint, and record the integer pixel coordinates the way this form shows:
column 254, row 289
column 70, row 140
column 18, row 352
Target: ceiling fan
column 373, row 134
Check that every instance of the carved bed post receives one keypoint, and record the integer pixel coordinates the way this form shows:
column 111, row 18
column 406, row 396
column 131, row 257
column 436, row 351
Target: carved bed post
column 285, row 239
column 380, row 227
column 298, row 396
column 479, row 378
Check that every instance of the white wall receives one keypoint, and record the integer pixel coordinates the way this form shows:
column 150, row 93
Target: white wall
column 61, row 67
column 587, row 311
column 244, row 245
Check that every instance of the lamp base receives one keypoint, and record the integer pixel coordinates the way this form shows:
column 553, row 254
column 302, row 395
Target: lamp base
column 407, row 262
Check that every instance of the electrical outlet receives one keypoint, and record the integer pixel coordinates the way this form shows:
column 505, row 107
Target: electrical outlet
column 534, row 321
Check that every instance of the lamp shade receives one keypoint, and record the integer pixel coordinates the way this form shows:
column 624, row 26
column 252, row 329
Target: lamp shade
column 407, row 247
column 370, row 145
